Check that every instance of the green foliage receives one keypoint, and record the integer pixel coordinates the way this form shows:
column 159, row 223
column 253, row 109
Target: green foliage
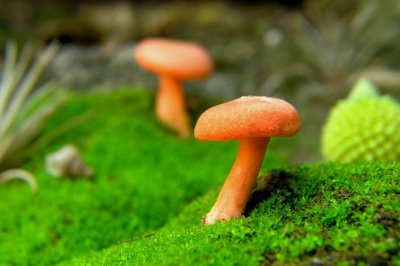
column 23, row 112
column 365, row 126
column 144, row 176
column 329, row 213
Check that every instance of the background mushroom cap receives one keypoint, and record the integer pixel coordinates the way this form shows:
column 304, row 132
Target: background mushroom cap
column 248, row 116
column 181, row 59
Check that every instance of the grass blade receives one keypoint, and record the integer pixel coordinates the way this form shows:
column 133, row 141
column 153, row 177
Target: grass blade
column 19, row 174
column 26, row 87
column 8, row 74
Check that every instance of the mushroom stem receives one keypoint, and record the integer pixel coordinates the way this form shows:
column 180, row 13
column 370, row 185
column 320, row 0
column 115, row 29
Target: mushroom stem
column 171, row 107
column 236, row 190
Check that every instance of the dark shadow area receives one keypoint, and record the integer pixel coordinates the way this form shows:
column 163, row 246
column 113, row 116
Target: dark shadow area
column 265, row 187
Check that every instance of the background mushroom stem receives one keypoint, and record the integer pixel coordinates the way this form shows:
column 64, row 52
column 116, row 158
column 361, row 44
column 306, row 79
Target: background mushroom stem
column 171, row 107
column 236, row 190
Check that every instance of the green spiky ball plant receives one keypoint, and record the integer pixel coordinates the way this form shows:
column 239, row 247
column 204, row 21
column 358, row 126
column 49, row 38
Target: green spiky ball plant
column 23, row 109
column 365, row 126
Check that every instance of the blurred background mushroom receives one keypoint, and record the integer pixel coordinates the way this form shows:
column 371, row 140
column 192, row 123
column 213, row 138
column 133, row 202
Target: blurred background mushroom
column 173, row 61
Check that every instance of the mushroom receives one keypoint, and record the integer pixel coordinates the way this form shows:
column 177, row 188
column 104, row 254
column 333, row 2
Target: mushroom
column 173, row 61
column 252, row 120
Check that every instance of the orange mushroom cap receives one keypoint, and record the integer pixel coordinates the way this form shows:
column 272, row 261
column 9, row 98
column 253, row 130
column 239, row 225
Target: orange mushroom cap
column 246, row 117
column 180, row 59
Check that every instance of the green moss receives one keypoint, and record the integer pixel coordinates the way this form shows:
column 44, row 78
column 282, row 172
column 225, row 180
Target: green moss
column 144, row 177
column 133, row 212
column 327, row 214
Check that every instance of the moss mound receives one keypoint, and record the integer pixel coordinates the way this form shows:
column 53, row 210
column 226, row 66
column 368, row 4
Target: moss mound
column 326, row 214
column 144, row 175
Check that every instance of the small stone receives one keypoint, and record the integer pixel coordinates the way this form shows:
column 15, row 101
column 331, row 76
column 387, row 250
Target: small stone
column 66, row 162
column 316, row 262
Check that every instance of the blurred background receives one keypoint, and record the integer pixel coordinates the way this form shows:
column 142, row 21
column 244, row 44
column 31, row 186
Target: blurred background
column 308, row 52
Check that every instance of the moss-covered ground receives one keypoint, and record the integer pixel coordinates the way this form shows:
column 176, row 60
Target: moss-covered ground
column 308, row 215
column 145, row 204
column 144, row 176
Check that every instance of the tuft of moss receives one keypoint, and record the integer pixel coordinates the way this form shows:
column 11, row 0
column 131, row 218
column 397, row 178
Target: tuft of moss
column 365, row 126
column 144, row 176
column 324, row 214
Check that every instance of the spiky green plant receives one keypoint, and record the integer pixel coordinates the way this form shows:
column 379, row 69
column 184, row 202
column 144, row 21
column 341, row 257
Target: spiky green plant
column 23, row 109
column 365, row 126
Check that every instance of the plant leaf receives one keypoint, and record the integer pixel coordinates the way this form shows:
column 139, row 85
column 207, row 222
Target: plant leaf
column 19, row 174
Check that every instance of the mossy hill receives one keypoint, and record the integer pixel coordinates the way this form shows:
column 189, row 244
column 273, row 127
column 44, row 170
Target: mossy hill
column 326, row 214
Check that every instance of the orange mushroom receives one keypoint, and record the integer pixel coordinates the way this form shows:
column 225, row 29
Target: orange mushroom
column 173, row 61
column 252, row 120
